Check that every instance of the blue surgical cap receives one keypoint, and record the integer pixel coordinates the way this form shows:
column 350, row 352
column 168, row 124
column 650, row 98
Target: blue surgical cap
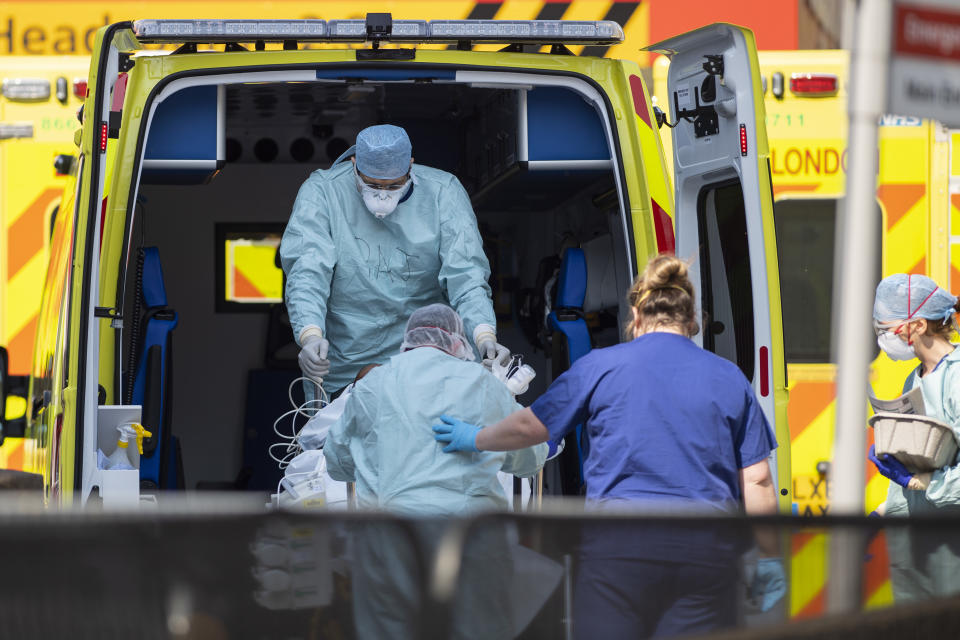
column 909, row 297
column 383, row 152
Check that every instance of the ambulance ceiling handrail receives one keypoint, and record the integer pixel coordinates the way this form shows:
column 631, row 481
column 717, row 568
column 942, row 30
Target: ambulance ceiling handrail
column 384, row 29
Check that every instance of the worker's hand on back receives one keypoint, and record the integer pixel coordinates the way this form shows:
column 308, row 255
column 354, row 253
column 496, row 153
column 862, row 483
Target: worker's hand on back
column 490, row 350
column 313, row 357
column 890, row 467
column 456, row 434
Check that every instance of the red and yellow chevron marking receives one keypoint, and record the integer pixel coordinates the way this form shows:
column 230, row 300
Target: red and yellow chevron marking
column 252, row 274
column 29, row 192
column 808, row 570
column 953, row 212
column 955, row 241
column 12, row 454
column 809, row 552
column 25, row 268
column 811, row 410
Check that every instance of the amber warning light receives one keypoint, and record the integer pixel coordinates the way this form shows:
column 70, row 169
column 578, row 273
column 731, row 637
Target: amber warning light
column 814, row 84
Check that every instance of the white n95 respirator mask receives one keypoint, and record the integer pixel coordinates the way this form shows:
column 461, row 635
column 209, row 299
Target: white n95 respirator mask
column 894, row 347
column 381, row 202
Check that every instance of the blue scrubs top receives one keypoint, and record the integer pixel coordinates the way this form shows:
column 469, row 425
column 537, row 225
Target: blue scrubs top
column 666, row 420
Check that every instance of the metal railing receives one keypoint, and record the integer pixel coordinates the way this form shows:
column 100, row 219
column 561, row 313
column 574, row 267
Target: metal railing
column 220, row 566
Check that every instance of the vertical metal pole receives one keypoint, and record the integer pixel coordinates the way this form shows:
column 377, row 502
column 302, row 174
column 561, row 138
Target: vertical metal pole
column 537, row 490
column 848, row 20
column 567, row 597
column 857, row 230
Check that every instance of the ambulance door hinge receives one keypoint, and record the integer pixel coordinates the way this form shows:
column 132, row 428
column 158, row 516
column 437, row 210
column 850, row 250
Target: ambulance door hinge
column 116, row 320
column 713, row 65
column 125, row 62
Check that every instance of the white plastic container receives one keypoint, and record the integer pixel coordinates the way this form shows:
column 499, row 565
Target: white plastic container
column 921, row 443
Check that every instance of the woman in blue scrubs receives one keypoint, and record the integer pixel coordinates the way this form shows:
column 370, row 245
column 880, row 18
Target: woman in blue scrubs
column 671, row 426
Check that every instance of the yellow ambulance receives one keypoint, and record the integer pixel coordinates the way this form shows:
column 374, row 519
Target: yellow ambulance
column 190, row 155
column 918, row 200
column 39, row 98
column 807, row 124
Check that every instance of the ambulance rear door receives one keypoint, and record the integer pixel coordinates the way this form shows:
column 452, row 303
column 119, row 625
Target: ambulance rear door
column 724, row 210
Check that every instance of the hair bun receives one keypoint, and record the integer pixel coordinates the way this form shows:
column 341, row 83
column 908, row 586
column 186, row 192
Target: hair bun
column 665, row 271
column 663, row 294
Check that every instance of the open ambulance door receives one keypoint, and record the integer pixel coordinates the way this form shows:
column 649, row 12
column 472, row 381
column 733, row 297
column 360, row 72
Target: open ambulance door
column 74, row 466
column 724, row 211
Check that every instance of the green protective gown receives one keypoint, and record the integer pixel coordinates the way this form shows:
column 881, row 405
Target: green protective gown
column 384, row 439
column 359, row 278
column 384, row 442
column 925, row 563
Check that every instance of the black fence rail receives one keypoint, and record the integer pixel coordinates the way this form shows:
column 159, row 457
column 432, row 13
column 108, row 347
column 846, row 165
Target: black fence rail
column 216, row 567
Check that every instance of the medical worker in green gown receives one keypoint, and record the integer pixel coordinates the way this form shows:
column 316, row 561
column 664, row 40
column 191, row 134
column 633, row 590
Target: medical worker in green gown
column 914, row 318
column 368, row 242
column 384, row 442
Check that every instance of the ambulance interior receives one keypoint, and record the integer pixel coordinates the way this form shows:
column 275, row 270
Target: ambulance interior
column 217, row 232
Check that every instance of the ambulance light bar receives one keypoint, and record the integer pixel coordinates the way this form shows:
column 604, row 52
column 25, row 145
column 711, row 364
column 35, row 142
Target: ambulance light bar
column 603, row 32
column 356, row 30
column 228, row 30
column 26, row 89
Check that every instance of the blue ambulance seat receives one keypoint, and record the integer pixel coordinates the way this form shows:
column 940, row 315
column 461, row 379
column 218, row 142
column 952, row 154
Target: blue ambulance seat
column 567, row 315
column 160, row 464
column 586, row 283
column 571, row 341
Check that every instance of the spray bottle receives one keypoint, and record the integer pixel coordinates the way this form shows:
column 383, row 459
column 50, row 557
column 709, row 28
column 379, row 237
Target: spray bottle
column 122, row 457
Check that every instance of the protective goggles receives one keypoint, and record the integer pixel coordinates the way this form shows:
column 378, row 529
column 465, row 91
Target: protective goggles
column 883, row 327
column 390, row 186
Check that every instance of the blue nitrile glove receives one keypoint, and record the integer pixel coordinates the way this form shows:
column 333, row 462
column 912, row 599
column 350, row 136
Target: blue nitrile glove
column 890, row 467
column 460, row 435
column 769, row 583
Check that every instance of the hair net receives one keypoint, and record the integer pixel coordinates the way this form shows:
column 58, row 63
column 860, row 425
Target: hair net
column 909, row 297
column 383, row 152
column 437, row 325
